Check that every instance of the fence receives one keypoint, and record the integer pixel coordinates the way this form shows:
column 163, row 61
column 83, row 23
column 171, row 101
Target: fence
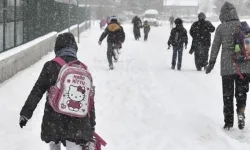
column 24, row 20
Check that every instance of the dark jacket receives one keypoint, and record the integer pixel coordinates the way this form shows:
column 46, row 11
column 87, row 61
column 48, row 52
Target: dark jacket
column 115, row 33
column 224, row 36
column 201, row 32
column 137, row 22
column 57, row 127
column 178, row 36
column 146, row 28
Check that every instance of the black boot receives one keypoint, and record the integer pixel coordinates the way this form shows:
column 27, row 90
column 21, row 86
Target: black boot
column 173, row 67
column 228, row 126
column 241, row 121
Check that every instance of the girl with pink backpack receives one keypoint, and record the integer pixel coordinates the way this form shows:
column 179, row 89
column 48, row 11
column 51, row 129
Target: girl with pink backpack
column 69, row 115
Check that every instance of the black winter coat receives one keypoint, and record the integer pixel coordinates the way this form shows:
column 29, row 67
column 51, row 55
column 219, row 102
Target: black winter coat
column 178, row 36
column 115, row 33
column 201, row 32
column 136, row 22
column 57, row 127
column 146, row 28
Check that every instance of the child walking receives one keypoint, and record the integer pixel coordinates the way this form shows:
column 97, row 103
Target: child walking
column 177, row 39
column 146, row 28
column 69, row 115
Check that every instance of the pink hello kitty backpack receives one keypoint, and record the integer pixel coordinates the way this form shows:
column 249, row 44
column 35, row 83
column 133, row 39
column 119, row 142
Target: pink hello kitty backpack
column 71, row 95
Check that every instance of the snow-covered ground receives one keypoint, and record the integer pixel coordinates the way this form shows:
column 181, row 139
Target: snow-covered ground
column 141, row 105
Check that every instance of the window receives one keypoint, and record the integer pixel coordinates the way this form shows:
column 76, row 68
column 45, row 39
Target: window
column 1, row 26
column 19, row 22
column 1, row 11
column 9, row 35
column 150, row 16
column 1, row 37
column 10, row 10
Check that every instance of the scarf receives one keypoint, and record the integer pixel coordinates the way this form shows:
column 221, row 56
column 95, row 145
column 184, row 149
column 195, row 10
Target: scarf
column 68, row 51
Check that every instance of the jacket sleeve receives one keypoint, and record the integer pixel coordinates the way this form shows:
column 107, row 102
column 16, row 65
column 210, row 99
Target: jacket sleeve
column 185, row 37
column 123, row 35
column 92, row 116
column 192, row 30
column 216, row 45
column 104, row 35
column 171, row 38
column 211, row 28
column 40, row 87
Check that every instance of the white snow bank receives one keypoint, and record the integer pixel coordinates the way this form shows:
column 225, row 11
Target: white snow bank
column 25, row 55
column 26, row 46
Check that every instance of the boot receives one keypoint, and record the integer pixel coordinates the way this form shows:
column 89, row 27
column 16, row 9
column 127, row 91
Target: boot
column 241, row 117
column 228, row 126
column 205, row 67
column 111, row 67
column 173, row 67
column 241, row 121
column 198, row 69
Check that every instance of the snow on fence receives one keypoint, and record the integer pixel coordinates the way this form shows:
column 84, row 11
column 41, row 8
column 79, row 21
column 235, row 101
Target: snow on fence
column 21, row 57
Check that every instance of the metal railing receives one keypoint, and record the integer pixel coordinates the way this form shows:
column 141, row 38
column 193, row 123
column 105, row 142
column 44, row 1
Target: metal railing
column 24, row 20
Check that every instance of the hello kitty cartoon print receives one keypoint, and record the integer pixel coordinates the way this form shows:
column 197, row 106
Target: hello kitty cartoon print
column 76, row 95
column 71, row 94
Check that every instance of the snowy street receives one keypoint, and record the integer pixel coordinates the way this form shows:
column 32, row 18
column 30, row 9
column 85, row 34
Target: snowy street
column 141, row 105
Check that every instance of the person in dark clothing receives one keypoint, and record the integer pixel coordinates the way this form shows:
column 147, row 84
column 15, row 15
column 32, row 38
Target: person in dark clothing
column 116, row 36
column 58, row 128
column 225, row 37
column 146, row 28
column 177, row 39
column 171, row 21
column 137, row 23
column 201, row 33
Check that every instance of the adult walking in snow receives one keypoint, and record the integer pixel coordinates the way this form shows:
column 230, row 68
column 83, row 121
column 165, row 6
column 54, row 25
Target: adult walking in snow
column 137, row 23
column 171, row 21
column 116, row 37
column 177, row 39
column 201, row 33
column 58, row 128
column 225, row 37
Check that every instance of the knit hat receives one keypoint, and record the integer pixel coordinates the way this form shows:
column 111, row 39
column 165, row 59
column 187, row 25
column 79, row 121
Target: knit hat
column 202, row 16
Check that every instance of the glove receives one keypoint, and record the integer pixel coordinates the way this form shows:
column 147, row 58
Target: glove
column 210, row 67
column 23, row 121
column 100, row 42
column 90, row 146
column 169, row 47
column 191, row 52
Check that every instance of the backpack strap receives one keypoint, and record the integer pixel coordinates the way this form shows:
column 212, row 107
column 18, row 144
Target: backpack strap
column 101, row 141
column 59, row 60
column 78, row 62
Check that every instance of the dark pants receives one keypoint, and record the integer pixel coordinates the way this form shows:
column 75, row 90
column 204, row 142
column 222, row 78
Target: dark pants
column 145, row 36
column 110, row 52
column 177, row 51
column 201, row 56
column 233, row 84
column 137, row 33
